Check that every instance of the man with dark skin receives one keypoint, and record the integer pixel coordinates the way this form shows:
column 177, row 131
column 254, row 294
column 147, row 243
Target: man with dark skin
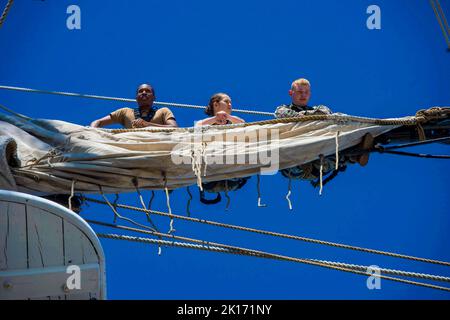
column 144, row 115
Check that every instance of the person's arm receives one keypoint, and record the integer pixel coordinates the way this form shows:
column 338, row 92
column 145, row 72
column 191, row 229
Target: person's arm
column 321, row 109
column 206, row 122
column 286, row 112
column 170, row 123
column 219, row 118
column 141, row 123
column 168, row 119
column 99, row 123
column 235, row 119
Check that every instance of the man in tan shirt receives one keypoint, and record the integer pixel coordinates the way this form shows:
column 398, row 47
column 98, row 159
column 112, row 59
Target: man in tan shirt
column 144, row 115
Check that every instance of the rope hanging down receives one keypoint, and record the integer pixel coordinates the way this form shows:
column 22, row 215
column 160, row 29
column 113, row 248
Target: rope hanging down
column 98, row 97
column 266, row 255
column 277, row 234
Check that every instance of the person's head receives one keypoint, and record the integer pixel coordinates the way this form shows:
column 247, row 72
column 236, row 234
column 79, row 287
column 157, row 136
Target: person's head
column 145, row 95
column 218, row 102
column 300, row 92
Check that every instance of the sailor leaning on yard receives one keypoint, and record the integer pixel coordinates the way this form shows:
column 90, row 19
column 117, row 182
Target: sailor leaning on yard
column 144, row 115
column 300, row 93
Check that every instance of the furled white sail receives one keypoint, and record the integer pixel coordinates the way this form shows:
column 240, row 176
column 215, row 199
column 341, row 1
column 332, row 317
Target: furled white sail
column 49, row 156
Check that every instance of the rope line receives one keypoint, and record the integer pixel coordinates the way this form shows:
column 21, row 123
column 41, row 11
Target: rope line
column 264, row 255
column 5, row 12
column 261, row 253
column 117, row 215
column 141, row 199
column 281, row 235
column 151, row 200
column 421, row 116
column 411, row 121
column 72, row 190
column 171, row 229
column 18, row 115
column 288, row 199
column 417, row 155
column 444, row 19
column 337, row 151
column 413, row 144
column 118, row 99
column 188, row 205
column 321, row 174
column 389, row 271
column 258, row 189
column 116, row 199
column 447, row 40
column 227, row 206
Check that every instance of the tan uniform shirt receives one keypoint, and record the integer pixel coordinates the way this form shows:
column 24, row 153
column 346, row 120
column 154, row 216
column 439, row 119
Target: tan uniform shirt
column 125, row 116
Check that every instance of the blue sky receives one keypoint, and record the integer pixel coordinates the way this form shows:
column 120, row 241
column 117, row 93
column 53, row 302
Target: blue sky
column 252, row 50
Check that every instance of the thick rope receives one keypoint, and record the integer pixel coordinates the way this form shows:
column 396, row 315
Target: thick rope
column 265, row 255
column 281, row 235
column 158, row 103
column 389, row 271
column 422, row 116
column 5, row 12
column 261, row 253
column 412, row 121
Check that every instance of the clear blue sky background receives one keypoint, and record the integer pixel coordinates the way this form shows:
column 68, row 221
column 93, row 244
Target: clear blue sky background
column 252, row 50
